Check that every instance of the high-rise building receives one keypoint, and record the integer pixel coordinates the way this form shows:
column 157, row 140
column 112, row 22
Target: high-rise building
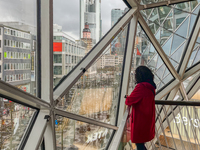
column 90, row 12
column 115, row 15
column 118, row 44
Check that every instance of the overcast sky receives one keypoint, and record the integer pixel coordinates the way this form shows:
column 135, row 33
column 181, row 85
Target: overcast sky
column 66, row 13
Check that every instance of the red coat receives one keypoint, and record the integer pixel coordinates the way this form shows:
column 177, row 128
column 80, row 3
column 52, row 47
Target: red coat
column 143, row 112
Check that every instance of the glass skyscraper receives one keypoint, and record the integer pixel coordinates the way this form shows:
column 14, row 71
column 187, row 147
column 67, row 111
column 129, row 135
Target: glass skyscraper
column 115, row 15
column 90, row 12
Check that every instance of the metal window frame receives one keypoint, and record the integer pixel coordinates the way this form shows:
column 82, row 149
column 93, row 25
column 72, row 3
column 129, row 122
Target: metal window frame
column 189, row 46
column 128, row 55
column 157, row 46
column 83, row 119
column 88, row 60
column 45, row 42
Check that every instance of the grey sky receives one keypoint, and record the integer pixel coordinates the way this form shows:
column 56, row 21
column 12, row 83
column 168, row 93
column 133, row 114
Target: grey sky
column 66, row 13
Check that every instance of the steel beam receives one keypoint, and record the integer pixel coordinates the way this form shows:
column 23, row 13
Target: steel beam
column 83, row 119
column 37, row 132
column 191, row 71
column 118, row 135
column 189, row 46
column 167, row 89
column 88, row 60
column 17, row 95
column 157, row 46
column 47, row 68
column 128, row 55
column 159, row 4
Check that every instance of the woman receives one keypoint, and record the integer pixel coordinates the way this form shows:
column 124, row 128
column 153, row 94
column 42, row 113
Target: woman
column 143, row 107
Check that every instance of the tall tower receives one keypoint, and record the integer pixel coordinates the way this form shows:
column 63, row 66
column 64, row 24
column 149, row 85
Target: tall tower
column 90, row 12
column 87, row 38
column 115, row 15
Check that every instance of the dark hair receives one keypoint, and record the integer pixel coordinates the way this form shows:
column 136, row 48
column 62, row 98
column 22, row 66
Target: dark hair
column 144, row 74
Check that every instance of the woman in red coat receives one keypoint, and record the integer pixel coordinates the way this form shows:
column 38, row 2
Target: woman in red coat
column 143, row 107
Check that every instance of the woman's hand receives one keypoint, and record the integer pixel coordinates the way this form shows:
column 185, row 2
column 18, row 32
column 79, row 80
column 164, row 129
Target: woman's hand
column 125, row 96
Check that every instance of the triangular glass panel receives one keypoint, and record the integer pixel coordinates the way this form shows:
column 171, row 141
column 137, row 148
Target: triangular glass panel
column 196, row 10
column 163, row 12
column 179, row 16
column 164, row 34
column 146, row 51
column 168, row 78
column 157, row 85
column 178, row 53
column 174, row 62
column 157, row 35
column 152, row 51
column 166, row 73
column 192, row 58
column 154, row 21
column 177, row 41
column 148, row 12
column 160, row 86
column 192, row 21
column 193, row 4
column 160, row 71
column 93, row 93
column 153, row 61
column 156, row 79
column 168, row 23
column 197, row 57
column 178, row 96
column 182, row 30
column 151, row 56
column 167, row 46
column 183, row 6
column 198, row 39
column 159, row 62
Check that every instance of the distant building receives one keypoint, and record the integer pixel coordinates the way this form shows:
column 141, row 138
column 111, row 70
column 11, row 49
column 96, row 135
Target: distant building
column 90, row 12
column 115, row 15
column 111, row 60
column 118, row 44
column 15, row 57
column 67, row 53
column 87, row 37
column 91, row 72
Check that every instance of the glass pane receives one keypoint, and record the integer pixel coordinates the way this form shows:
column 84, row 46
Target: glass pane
column 14, row 119
column 179, row 16
column 18, row 44
column 177, row 40
column 149, row 57
column 72, row 134
column 163, row 12
column 97, row 91
column 126, row 138
column 84, row 24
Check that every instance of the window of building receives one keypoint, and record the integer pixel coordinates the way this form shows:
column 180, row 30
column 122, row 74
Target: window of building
column 57, row 70
column 0, row 43
column 5, row 43
column 0, row 68
column 6, row 31
column 57, row 58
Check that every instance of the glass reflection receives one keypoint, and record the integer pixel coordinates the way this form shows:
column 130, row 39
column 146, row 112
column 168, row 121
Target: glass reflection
column 14, row 119
column 72, row 134
column 97, row 91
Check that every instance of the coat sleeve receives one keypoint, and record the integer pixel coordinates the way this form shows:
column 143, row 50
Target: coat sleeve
column 135, row 96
